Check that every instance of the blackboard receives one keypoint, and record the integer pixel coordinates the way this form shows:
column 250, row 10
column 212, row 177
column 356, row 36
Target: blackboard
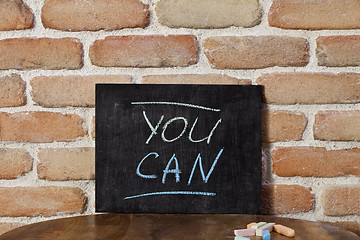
column 178, row 148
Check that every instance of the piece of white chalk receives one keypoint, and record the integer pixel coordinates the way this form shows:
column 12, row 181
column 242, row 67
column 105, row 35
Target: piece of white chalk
column 268, row 226
column 244, row 232
column 258, row 225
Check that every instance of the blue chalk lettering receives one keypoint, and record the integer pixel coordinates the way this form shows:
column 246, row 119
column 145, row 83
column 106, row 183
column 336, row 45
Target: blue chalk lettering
column 138, row 168
column 172, row 193
column 198, row 161
column 176, row 170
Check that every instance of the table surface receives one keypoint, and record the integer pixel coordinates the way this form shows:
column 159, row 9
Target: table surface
column 168, row 227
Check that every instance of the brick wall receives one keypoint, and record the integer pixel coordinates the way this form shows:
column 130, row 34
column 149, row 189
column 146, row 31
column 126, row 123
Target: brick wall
column 305, row 53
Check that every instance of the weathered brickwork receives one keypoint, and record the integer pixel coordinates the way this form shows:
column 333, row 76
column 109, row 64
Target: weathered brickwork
column 208, row 13
column 145, row 51
column 36, row 201
column 15, row 15
column 304, row 53
column 93, row 15
column 66, row 164
column 77, row 91
column 251, row 52
column 315, row 14
column 40, row 53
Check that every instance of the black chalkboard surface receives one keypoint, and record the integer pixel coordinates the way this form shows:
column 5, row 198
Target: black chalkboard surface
column 178, row 148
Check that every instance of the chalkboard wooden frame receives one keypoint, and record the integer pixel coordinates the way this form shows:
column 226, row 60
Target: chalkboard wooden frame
column 178, row 148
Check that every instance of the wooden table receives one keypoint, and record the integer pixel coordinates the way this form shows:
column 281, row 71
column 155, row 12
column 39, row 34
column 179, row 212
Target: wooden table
column 168, row 227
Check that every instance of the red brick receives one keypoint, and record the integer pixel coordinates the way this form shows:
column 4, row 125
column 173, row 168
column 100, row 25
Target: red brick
column 76, row 91
column 5, row 227
column 93, row 15
column 40, row 53
column 208, row 13
column 40, row 201
column 286, row 199
column 12, row 91
column 193, row 79
column 145, row 51
column 40, row 127
column 249, row 52
column 338, row 51
column 61, row 164
column 315, row 14
column 14, row 163
column 15, row 15
column 337, row 125
column 341, row 200
column 315, row 162
column 310, row 88
column 281, row 126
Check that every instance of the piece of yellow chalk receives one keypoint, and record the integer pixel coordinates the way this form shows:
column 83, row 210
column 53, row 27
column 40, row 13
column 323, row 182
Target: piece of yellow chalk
column 250, row 225
column 286, row 231
column 258, row 225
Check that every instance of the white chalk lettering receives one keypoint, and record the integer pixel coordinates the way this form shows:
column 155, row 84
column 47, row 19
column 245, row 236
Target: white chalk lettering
column 168, row 123
column 177, row 104
column 203, row 139
column 153, row 129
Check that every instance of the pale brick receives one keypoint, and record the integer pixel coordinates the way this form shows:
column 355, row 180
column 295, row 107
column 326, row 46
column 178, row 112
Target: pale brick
column 348, row 225
column 15, row 15
column 40, row 127
column 145, row 51
column 61, row 164
column 76, row 91
column 40, row 201
column 12, row 91
column 250, row 52
column 194, row 79
column 286, row 199
column 341, row 200
column 5, row 227
column 14, row 163
column 310, row 88
column 315, row 162
column 338, row 51
column 315, row 14
column 280, row 126
column 93, row 15
column 40, row 53
column 208, row 13
column 337, row 126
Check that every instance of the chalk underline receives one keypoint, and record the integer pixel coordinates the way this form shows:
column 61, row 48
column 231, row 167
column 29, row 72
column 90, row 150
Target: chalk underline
column 178, row 104
column 172, row 193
